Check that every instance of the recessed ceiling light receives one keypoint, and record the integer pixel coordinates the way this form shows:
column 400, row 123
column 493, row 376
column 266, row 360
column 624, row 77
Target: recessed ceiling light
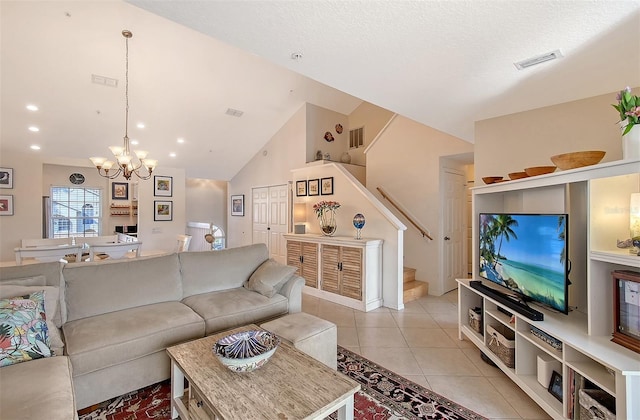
column 296, row 56
column 172, row 155
column 140, row 125
column 34, row 129
column 135, row 142
column 180, row 140
column 34, row 147
column 32, row 107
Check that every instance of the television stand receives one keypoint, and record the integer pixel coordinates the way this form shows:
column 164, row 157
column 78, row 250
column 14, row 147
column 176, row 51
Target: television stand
column 507, row 301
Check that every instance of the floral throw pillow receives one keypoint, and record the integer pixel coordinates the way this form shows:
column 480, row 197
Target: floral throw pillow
column 23, row 329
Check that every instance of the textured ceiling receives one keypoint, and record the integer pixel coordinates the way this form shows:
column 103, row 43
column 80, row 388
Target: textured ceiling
column 445, row 64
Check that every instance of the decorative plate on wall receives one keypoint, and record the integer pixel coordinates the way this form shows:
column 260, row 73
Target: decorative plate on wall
column 328, row 136
column 339, row 128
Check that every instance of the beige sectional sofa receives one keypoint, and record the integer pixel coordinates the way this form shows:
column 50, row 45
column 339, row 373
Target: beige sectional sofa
column 119, row 317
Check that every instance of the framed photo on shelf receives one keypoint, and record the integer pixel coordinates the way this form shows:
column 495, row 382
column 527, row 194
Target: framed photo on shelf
column 313, row 187
column 6, row 178
column 162, row 186
column 301, row 188
column 6, row 205
column 162, row 211
column 237, row 205
column 326, row 186
column 626, row 307
column 119, row 191
column 555, row 385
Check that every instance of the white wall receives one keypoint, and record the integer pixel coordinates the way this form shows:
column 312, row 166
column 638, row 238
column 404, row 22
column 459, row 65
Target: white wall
column 405, row 160
column 161, row 235
column 206, row 201
column 319, row 121
column 27, row 202
column 270, row 166
column 353, row 199
column 373, row 119
column 513, row 142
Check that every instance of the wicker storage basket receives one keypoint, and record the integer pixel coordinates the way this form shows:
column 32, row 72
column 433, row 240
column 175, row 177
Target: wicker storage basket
column 595, row 404
column 501, row 341
column 475, row 319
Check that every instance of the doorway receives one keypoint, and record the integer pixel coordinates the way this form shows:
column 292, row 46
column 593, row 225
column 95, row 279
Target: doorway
column 453, row 228
column 270, row 219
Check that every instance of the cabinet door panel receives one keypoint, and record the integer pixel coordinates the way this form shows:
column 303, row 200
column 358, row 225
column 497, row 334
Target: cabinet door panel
column 293, row 255
column 351, row 273
column 330, row 273
column 310, row 264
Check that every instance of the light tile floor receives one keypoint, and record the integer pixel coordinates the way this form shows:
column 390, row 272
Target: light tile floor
column 421, row 343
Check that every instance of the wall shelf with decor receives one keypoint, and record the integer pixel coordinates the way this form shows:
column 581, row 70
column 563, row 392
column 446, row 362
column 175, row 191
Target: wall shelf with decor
column 597, row 200
column 347, row 271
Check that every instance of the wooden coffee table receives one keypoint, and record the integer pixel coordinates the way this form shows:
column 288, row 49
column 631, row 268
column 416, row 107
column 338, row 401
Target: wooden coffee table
column 291, row 385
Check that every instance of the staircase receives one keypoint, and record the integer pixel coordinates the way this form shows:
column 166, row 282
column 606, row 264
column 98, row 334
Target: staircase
column 412, row 288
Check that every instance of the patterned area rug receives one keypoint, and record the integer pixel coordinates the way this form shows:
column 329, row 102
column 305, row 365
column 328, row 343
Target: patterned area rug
column 384, row 396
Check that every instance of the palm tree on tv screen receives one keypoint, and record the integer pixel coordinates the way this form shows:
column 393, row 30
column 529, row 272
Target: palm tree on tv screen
column 502, row 226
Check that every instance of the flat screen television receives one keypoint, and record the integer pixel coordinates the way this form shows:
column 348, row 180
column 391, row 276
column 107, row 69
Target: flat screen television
column 527, row 254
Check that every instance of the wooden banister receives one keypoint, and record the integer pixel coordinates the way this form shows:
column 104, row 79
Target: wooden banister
column 422, row 230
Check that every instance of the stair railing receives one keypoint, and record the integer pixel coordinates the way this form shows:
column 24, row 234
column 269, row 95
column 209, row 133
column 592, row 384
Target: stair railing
column 423, row 231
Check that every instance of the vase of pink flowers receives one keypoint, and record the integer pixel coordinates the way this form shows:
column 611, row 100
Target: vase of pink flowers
column 326, row 213
column 628, row 107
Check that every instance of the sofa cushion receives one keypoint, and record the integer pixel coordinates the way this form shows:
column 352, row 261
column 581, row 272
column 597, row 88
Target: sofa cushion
column 236, row 307
column 39, row 389
column 23, row 330
column 105, row 340
column 51, row 308
column 95, row 288
column 204, row 272
column 269, row 277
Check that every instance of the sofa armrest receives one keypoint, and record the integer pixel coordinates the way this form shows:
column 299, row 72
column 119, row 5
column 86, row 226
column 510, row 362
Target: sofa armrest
column 292, row 290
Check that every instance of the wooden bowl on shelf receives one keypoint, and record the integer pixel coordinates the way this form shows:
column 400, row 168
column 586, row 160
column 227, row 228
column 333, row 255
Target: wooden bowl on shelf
column 491, row 179
column 578, row 159
column 539, row 170
column 518, row 175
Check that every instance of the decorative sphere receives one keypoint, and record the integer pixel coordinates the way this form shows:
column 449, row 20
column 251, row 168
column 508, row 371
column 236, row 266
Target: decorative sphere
column 358, row 221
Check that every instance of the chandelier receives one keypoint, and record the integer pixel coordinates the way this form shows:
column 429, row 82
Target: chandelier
column 126, row 163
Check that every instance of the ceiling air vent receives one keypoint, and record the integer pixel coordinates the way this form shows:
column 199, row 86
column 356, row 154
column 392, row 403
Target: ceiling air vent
column 356, row 138
column 103, row 80
column 234, row 112
column 529, row 62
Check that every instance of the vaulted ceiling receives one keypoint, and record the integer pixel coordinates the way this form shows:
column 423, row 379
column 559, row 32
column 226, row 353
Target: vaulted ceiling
column 445, row 64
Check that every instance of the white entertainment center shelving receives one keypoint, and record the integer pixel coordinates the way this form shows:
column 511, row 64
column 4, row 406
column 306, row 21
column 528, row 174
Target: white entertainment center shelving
column 597, row 201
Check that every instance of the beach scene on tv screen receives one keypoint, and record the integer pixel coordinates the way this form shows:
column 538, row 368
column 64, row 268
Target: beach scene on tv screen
column 527, row 254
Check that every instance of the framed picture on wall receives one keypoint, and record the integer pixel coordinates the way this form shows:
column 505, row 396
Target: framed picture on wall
column 6, row 178
column 237, row 205
column 6, row 205
column 314, row 187
column 301, row 188
column 326, row 186
column 162, row 211
column 119, row 191
column 163, row 186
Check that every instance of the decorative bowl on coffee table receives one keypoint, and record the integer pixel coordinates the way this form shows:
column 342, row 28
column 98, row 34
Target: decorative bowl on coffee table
column 246, row 351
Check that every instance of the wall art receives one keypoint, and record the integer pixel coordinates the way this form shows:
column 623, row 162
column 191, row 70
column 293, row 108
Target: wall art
column 6, row 178
column 326, row 186
column 6, row 205
column 301, row 188
column 313, row 187
column 162, row 211
column 162, row 186
column 119, row 191
column 237, row 205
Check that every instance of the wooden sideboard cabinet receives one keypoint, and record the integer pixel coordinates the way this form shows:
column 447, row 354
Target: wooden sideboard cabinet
column 343, row 270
